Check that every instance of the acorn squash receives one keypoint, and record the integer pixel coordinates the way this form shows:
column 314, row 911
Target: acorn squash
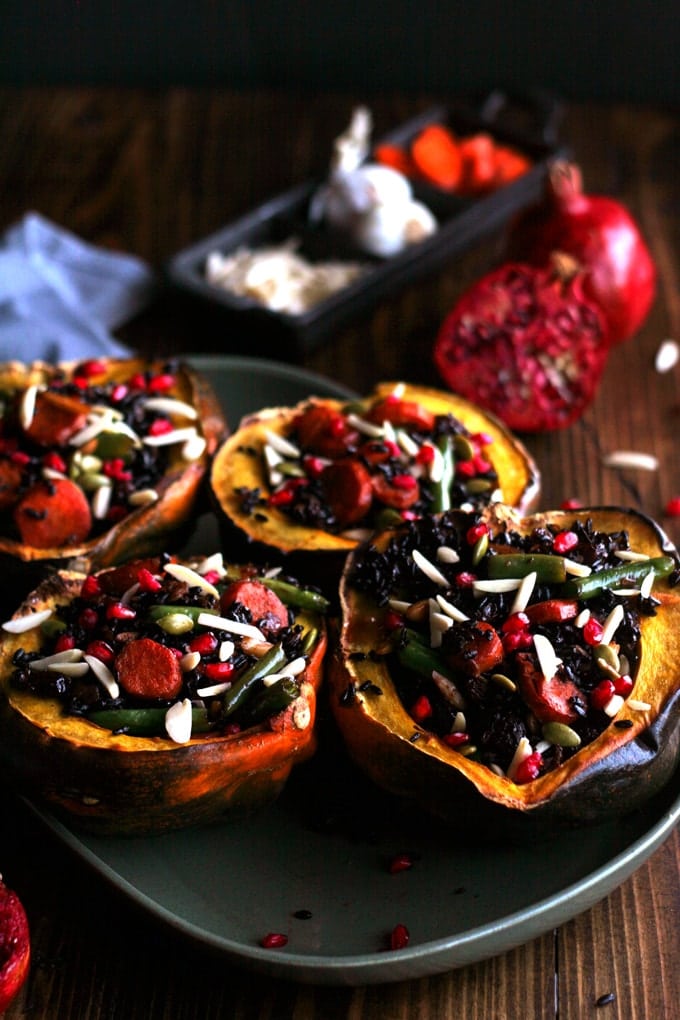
column 49, row 467
column 588, row 752
column 118, row 748
column 354, row 466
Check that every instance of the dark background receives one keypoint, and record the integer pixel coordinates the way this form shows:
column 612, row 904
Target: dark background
column 582, row 49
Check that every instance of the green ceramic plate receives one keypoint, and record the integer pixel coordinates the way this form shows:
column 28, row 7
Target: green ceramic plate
column 324, row 848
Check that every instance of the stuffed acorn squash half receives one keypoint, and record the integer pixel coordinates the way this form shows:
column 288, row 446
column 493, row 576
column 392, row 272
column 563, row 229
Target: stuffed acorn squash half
column 319, row 477
column 159, row 694
column 513, row 666
column 100, row 460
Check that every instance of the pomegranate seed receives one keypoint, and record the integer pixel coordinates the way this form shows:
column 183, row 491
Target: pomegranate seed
column 101, row 650
column 54, row 461
column 177, row 652
column 455, row 739
column 529, row 768
column 399, row 937
column 119, row 611
column 592, row 631
column 405, row 482
column 80, row 381
column 211, row 576
column 88, row 619
column 402, row 862
column 623, row 685
column 602, row 694
column 206, row 644
column 161, row 383
column 476, row 532
column 673, row 507
column 160, row 427
column 571, row 504
column 91, row 588
column 482, row 465
column 421, row 709
column 90, row 368
column 313, row 466
column 137, row 381
column 115, row 469
column 517, row 641
column 515, row 623
column 64, row 643
column 232, row 728
column 274, row 940
column 466, row 468
column 282, row 497
column 147, row 581
column 119, row 393
column 20, row 457
column 337, row 426
column 564, row 541
column 425, row 454
column 394, row 620
column 465, row 579
column 218, row 670
column 482, row 439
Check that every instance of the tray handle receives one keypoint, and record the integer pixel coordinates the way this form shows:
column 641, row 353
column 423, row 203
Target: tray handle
column 536, row 114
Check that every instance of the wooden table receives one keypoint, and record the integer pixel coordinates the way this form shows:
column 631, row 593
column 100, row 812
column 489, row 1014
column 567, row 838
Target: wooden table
column 150, row 172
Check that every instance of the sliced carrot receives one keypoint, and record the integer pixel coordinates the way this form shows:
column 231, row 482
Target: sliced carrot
column 394, row 156
column 510, row 164
column 436, row 154
column 479, row 162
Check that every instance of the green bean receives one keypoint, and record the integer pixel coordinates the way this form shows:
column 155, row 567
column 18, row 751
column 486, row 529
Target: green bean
column 309, row 640
column 144, row 722
column 419, row 657
column 242, row 687
column 300, row 598
column 441, row 492
column 158, row 612
column 549, row 569
column 270, row 700
column 592, row 585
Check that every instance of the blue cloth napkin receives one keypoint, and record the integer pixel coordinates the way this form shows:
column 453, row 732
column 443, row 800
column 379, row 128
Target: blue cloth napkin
column 60, row 297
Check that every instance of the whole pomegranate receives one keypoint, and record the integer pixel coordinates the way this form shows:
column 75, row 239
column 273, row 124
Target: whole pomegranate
column 527, row 344
column 15, row 946
column 600, row 233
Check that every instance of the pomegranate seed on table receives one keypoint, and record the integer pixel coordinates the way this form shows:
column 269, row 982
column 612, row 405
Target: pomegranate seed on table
column 399, row 937
column 274, row 940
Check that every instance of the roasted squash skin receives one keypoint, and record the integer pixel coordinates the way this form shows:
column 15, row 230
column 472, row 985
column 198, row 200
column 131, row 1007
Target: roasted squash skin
column 616, row 773
column 148, row 528
column 238, row 465
column 116, row 784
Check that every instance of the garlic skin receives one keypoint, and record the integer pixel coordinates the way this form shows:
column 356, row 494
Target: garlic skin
column 371, row 203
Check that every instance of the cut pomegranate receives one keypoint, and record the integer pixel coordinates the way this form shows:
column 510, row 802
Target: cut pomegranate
column 527, row 344
column 15, row 946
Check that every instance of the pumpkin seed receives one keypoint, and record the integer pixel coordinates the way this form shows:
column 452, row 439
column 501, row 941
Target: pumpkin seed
column 607, row 659
column 480, row 548
column 463, row 448
column 478, row 485
column 504, row 681
column 560, row 734
column 176, row 623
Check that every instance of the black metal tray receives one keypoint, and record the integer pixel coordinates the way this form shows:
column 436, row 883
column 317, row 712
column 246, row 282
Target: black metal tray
column 529, row 124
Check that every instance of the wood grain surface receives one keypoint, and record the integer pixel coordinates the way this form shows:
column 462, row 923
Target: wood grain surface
column 150, row 172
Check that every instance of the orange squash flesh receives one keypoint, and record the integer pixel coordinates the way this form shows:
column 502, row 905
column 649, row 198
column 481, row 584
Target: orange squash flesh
column 238, row 464
column 615, row 773
column 110, row 783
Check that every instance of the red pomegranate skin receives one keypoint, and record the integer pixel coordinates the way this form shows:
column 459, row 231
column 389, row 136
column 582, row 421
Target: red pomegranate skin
column 602, row 235
column 526, row 344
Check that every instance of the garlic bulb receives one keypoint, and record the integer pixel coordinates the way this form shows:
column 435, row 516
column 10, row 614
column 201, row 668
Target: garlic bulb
column 373, row 204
